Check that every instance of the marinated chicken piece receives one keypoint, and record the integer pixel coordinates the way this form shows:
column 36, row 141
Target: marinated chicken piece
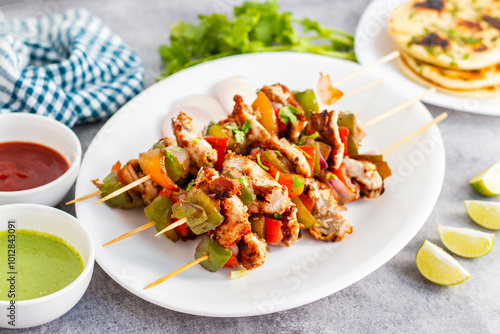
column 279, row 93
column 260, row 135
column 271, row 197
column 209, row 181
column 235, row 224
column 365, row 174
column 204, row 178
column 252, row 251
column 291, row 228
column 332, row 226
column 190, row 139
column 132, row 172
column 325, row 124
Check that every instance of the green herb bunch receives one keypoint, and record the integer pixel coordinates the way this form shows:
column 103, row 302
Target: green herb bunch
column 256, row 27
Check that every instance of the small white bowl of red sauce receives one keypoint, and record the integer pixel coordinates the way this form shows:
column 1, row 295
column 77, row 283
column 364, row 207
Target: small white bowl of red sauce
column 39, row 159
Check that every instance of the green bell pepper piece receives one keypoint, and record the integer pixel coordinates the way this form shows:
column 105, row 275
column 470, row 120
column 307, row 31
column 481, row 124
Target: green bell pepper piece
column 160, row 212
column 172, row 165
column 307, row 99
column 258, row 225
column 125, row 200
column 317, row 166
column 272, row 157
column 217, row 255
column 303, row 215
column 246, row 195
column 200, row 200
column 348, row 120
column 195, row 215
column 217, row 131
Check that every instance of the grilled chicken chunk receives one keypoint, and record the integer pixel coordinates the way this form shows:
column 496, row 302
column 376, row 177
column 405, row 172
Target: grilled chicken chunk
column 271, row 197
column 190, row 139
column 332, row 226
column 365, row 174
column 258, row 134
column 252, row 251
column 131, row 172
column 291, row 228
column 325, row 124
column 235, row 224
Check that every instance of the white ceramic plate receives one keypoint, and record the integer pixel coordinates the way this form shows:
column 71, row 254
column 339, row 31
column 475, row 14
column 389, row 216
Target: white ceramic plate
column 372, row 42
column 292, row 276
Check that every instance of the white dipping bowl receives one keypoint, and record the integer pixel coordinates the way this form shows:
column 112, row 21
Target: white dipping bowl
column 34, row 312
column 24, row 127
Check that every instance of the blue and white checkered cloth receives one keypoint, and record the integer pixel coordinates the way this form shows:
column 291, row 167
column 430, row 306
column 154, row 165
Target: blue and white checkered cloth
column 70, row 67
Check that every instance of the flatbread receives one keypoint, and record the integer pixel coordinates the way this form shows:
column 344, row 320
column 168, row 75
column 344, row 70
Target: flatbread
column 455, row 79
column 482, row 93
column 455, row 34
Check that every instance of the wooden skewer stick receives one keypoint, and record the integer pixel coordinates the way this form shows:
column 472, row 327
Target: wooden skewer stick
column 172, row 226
column 178, row 271
column 130, row 233
column 382, row 60
column 362, row 88
column 95, row 193
column 416, row 133
column 124, row 189
column 398, row 108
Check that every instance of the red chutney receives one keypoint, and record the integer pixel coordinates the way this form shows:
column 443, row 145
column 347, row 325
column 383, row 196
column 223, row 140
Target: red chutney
column 28, row 165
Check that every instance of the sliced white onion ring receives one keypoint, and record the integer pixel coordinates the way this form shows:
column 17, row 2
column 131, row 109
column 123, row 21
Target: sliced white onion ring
column 227, row 89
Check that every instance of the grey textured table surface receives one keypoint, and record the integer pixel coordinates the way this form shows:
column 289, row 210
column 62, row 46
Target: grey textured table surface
column 393, row 299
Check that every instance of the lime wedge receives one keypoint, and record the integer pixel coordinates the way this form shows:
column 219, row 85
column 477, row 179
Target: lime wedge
column 438, row 266
column 466, row 242
column 485, row 214
column 487, row 182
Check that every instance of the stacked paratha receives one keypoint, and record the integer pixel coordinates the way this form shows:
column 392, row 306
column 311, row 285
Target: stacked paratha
column 453, row 45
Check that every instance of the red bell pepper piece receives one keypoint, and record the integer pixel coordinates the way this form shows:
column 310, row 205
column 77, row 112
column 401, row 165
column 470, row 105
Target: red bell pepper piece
column 285, row 179
column 220, row 145
column 272, row 230
column 307, row 201
column 311, row 155
column 344, row 135
column 231, row 262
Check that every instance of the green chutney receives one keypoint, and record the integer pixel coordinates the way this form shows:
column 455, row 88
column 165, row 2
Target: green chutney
column 42, row 264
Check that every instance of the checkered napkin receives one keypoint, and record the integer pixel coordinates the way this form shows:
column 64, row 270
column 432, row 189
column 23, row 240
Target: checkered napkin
column 70, row 67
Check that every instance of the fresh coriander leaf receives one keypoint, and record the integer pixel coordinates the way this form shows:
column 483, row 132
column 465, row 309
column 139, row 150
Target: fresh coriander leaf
column 246, row 127
column 239, row 135
column 243, row 181
column 190, row 185
column 331, row 176
column 278, row 153
column 176, row 149
column 303, row 152
column 196, row 140
column 313, row 136
column 278, row 216
column 231, row 126
column 260, row 163
column 170, row 156
column 297, row 182
column 287, row 114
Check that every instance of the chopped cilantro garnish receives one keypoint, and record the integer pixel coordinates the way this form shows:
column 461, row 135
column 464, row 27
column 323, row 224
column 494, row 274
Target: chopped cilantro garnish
column 313, row 136
column 239, row 135
column 190, row 185
column 297, row 182
column 287, row 114
column 246, row 127
column 303, row 152
column 331, row 176
column 170, row 156
column 243, row 181
column 260, row 163
column 278, row 216
column 195, row 140
column 176, row 149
